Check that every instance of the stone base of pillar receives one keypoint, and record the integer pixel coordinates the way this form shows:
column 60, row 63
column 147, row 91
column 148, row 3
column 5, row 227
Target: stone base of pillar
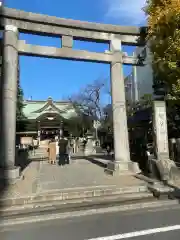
column 165, row 166
column 10, row 174
column 122, row 168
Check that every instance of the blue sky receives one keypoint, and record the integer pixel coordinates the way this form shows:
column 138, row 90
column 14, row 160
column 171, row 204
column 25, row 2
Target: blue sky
column 41, row 77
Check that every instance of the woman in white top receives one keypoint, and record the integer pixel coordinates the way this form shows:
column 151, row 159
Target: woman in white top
column 57, row 145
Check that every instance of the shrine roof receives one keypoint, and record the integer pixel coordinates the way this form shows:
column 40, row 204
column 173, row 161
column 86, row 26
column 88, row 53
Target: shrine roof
column 34, row 109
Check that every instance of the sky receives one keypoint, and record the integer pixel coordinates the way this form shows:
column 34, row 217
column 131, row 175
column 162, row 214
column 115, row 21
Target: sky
column 60, row 79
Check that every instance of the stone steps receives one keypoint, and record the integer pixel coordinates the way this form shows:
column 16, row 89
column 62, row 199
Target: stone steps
column 73, row 193
column 73, row 198
column 75, row 205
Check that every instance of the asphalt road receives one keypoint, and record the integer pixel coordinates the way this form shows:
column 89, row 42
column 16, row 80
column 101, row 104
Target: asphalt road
column 148, row 224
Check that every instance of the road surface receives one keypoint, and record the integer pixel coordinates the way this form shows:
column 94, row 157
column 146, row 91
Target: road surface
column 148, row 224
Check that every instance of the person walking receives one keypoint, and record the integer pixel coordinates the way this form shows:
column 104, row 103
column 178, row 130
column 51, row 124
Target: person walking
column 57, row 147
column 63, row 151
column 70, row 149
column 52, row 152
column 108, row 148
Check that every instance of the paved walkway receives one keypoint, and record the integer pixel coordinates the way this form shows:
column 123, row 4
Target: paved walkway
column 41, row 177
column 82, row 173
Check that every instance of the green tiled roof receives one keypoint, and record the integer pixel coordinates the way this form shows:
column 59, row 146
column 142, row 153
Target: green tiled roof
column 34, row 109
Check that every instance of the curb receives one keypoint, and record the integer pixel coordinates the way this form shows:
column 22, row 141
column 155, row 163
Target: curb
column 94, row 211
column 72, row 194
column 147, row 179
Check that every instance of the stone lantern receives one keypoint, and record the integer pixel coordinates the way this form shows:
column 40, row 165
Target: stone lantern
column 90, row 146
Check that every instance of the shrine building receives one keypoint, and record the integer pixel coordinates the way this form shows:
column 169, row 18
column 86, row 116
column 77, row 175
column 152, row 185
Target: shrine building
column 44, row 118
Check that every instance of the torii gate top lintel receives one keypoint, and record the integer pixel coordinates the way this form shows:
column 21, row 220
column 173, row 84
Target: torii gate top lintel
column 35, row 18
column 70, row 30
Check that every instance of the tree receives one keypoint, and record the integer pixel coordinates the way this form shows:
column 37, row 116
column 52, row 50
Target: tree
column 20, row 104
column 89, row 100
column 79, row 125
column 89, row 105
column 164, row 40
column 144, row 103
column 107, row 121
column 20, row 117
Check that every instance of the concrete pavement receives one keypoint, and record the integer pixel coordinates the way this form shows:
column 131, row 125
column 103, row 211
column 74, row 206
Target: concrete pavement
column 162, row 223
column 43, row 178
column 81, row 184
column 80, row 173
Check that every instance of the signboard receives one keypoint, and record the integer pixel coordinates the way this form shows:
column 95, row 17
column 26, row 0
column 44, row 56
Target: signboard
column 161, row 127
column 35, row 142
column 96, row 124
column 26, row 140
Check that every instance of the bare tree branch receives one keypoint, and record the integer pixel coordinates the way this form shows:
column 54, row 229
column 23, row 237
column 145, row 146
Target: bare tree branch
column 89, row 100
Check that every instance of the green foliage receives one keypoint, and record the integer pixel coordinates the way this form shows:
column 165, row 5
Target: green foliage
column 164, row 40
column 20, row 117
column 107, row 120
column 79, row 125
column 145, row 102
column 20, row 104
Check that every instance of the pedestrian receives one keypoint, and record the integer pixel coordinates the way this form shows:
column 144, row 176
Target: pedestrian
column 70, row 148
column 108, row 149
column 52, row 152
column 63, row 152
column 57, row 147
column 84, row 144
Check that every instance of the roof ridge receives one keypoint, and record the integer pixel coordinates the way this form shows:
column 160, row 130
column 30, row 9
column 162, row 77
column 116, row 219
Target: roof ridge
column 44, row 101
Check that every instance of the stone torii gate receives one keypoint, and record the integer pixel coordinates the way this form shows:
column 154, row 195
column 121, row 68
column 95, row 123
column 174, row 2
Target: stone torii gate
column 15, row 21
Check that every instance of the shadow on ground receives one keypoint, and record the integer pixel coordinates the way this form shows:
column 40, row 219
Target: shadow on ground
column 100, row 160
column 175, row 185
column 175, row 194
column 63, row 159
column 22, row 159
column 97, row 159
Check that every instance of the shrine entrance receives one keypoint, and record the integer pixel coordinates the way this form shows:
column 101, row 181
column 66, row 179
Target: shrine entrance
column 49, row 126
column 48, row 133
column 15, row 21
